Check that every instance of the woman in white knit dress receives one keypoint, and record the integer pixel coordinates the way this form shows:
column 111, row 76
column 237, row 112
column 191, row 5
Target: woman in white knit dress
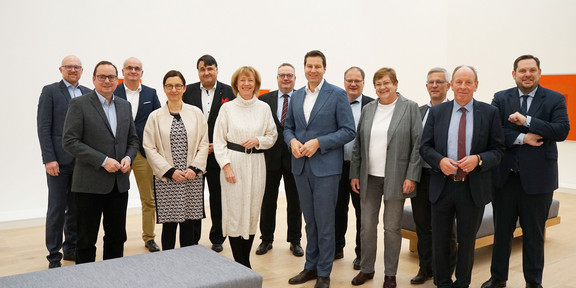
column 244, row 129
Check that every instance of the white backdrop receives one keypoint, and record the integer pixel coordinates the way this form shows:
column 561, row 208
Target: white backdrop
column 410, row 36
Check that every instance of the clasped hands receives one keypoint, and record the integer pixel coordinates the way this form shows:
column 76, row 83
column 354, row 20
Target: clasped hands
column 307, row 149
column 467, row 164
column 180, row 176
column 112, row 166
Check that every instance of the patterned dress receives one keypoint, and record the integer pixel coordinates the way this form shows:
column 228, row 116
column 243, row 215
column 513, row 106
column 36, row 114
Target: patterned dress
column 177, row 202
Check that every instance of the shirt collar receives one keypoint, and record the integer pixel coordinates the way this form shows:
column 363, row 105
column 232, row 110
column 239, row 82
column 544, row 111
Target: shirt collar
column 68, row 84
column 531, row 94
column 213, row 88
column 138, row 90
column 103, row 100
column 317, row 90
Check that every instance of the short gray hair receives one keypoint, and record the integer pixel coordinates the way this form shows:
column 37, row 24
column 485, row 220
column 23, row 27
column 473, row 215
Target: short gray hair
column 441, row 70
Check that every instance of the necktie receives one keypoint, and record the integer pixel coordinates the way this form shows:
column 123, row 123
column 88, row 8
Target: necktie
column 460, row 174
column 524, row 106
column 284, row 109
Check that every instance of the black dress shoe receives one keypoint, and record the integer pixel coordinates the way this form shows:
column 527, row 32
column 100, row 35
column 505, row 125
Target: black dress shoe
column 389, row 281
column 421, row 277
column 338, row 255
column 356, row 263
column 296, row 249
column 494, row 283
column 361, row 278
column 322, row 282
column 69, row 256
column 263, row 248
column 217, row 247
column 152, row 246
column 533, row 285
column 54, row 264
column 303, row 277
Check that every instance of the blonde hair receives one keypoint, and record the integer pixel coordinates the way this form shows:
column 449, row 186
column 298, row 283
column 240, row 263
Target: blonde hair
column 249, row 71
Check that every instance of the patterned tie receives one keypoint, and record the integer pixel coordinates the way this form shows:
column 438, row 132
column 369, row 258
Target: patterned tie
column 284, row 109
column 460, row 174
column 524, row 106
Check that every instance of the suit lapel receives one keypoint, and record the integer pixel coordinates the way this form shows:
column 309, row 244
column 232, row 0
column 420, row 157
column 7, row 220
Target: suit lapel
column 98, row 106
column 370, row 111
column 423, row 110
column 396, row 116
column 64, row 91
column 323, row 96
column 539, row 98
column 477, row 126
column 444, row 123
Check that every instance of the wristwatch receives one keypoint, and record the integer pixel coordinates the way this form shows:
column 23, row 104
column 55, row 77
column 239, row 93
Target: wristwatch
column 479, row 159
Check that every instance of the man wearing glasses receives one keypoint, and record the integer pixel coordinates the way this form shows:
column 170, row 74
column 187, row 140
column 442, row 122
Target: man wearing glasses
column 99, row 132
column 144, row 100
column 61, row 213
column 277, row 167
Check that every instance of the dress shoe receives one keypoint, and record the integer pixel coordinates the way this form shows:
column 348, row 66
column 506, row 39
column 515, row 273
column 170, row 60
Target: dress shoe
column 152, row 246
column 69, row 256
column 322, row 282
column 217, row 247
column 361, row 278
column 54, row 264
column 338, row 255
column 389, row 282
column 356, row 263
column 421, row 277
column 533, row 285
column 303, row 277
column 494, row 283
column 296, row 249
column 263, row 248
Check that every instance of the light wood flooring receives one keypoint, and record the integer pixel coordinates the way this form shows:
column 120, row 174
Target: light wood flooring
column 22, row 250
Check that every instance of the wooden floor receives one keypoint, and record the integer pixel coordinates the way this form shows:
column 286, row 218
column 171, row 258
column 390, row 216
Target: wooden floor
column 22, row 250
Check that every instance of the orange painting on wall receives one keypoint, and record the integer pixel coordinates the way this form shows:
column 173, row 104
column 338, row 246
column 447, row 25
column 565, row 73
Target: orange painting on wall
column 565, row 84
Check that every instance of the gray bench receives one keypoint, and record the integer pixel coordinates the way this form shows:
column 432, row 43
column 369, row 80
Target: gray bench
column 485, row 235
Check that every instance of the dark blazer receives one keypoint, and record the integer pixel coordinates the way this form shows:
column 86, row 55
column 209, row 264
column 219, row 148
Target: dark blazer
column 331, row 122
column 88, row 137
column 279, row 154
column 538, row 166
column 147, row 103
column 52, row 108
column 223, row 94
column 487, row 141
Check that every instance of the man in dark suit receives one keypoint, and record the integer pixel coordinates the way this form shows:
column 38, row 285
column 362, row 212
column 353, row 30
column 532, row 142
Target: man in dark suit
column 208, row 95
column 437, row 84
column 278, row 167
column 99, row 132
column 462, row 142
column 318, row 124
column 143, row 100
column 61, row 213
column 534, row 119
column 354, row 85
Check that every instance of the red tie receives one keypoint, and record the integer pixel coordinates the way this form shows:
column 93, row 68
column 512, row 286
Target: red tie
column 284, row 109
column 460, row 174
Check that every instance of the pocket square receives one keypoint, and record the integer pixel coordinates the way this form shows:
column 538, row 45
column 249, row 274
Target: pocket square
column 147, row 102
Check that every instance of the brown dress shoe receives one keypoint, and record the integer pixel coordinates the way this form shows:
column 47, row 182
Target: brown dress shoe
column 322, row 282
column 303, row 277
column 389, row 282
column 361, row 278
column 421, row 277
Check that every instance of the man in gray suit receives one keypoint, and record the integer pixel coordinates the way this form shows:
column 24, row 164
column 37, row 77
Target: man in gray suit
column 61, row 213
column 99, row 132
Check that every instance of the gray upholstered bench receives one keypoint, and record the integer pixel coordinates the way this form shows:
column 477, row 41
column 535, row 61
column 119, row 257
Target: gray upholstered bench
column 485, row 235
column 195, row 266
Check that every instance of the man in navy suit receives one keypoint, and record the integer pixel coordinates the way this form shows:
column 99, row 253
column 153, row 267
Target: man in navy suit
column 463, row 143
column 61, row 213
column 354, row 85
column 144, row 100
column 534, row 119
column 278, row 167
column 209, row 94
column 318, row 124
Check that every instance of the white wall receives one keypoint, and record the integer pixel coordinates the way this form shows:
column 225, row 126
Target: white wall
column 410, row 36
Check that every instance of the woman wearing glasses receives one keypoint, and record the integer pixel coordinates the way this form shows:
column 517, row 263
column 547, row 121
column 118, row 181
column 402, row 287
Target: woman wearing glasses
column 176, row 146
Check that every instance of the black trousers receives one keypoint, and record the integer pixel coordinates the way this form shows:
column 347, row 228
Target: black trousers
column 213, row 179
column 269, row 206
column 91, row 208
column 344, row 194
column 510, row 204
column 189, row 233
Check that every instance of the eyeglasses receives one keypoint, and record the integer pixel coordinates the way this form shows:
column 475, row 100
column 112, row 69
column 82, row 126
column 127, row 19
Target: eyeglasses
column 72, row 67
column 350, row 81
column 170, row 87
column 437, row 82
column 282, row 75
column 133, row 68
column 103, row 78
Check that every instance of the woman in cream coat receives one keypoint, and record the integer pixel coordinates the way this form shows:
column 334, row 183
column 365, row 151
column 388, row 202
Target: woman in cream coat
column 176, row 145
column 385, row 167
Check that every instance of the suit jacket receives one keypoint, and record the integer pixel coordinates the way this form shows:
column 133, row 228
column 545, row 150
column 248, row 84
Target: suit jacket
column 52, row 108
column 88, row 137
column 147, row 102
column 538, row 166
column 331, row 122
column 279, row 154
column 402, row 158
column 487, row 141
column 223, row 94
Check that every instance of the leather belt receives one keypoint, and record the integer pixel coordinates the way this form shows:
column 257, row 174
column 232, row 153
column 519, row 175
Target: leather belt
column 240, row 148
column 456, row 179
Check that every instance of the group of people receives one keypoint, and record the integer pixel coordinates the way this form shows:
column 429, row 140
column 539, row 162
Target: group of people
column 329, row 145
